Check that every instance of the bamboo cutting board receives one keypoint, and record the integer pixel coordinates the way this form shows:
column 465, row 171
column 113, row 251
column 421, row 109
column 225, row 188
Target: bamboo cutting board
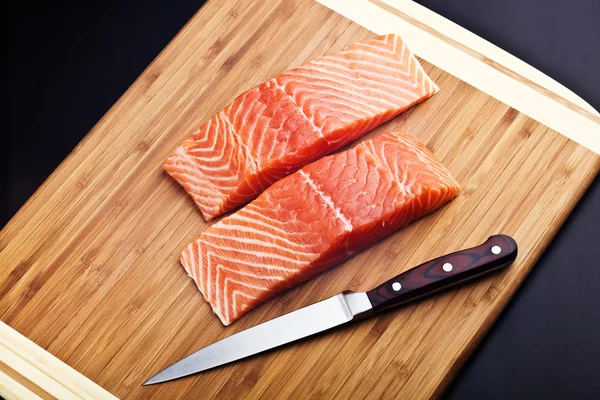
column 89, row 266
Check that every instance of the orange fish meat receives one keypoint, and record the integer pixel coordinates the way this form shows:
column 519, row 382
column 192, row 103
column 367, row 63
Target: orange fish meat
column 314, row 219
column 298, row 117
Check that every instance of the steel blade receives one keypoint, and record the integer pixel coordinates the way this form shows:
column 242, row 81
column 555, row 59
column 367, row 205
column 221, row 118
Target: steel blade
column 299, row 324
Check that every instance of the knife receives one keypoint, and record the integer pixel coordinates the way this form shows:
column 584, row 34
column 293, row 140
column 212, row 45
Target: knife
column 497, row 252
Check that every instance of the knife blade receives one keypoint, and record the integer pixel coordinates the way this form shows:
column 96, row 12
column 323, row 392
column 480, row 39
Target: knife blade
column 497, row 252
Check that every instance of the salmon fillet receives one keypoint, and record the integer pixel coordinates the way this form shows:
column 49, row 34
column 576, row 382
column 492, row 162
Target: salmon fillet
column 299, row 116
column 315, row 218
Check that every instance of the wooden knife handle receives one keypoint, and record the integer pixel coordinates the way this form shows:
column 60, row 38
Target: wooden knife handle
column 497, row 252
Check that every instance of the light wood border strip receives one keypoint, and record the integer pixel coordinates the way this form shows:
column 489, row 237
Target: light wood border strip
column 572, row 121
column 486, row 52
column 45, row 370
column 11, row 389
column 22, row 381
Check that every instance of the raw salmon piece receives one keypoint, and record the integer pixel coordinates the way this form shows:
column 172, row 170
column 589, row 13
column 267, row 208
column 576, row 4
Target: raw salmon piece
column 347, row 94
column 315, row 218
column 301, row 115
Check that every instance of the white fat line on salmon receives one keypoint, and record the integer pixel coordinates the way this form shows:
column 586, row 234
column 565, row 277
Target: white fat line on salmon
column 408, row 183
column 255, row 253
column 256, row 241
column 187, row 262
column 403, row 182
column 351, row 98
column 273, row 175
column 209, row 209
column 329, row 69
column 403, row 50
column 413, row 148
column 411, row 74
column 238, row 217
column 217, row 181
column 190, row 260
column 328, row 201
column 426, row 79
column 225, row 300
column 374, row 55
column 261, row 135
column 400, row 68
column 200, row 266
column 208, row 136
column 206, row 268
column 235, row 295
column 245, row 229
column 254, row 276
column 196, row 132
column 278, row 86
column 217, row 301
column 198, row 153
column 429, row 202
column 406, row 94
column 207, row 196
column 238, row 138
column 200, row 289
column 258, row 219
column 198, row 183
column 192, row 171
column 195, row 139
column 220, row 266
column 219, row 166
column 343, row 109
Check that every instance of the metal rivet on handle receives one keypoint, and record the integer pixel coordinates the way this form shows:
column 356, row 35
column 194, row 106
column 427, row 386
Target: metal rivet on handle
column 396, row 286
column 447, row 267
column 496, row 249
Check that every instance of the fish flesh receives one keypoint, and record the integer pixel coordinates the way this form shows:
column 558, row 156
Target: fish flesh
column 301, row 115
column 315, row 218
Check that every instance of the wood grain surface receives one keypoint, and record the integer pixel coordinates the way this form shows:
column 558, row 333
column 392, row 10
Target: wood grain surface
column 478, row 63
column 90, row 266
column 26, row 371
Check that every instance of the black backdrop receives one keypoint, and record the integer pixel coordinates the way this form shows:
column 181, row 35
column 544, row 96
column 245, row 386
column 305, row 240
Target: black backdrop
column 69, row 61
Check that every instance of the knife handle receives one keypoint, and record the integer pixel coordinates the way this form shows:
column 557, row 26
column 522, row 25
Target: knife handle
column 497, row 252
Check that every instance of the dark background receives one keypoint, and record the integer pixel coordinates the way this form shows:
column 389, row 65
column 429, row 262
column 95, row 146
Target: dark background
column 69, row 61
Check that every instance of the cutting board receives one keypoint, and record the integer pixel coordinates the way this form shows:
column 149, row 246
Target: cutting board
column 90, row 268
